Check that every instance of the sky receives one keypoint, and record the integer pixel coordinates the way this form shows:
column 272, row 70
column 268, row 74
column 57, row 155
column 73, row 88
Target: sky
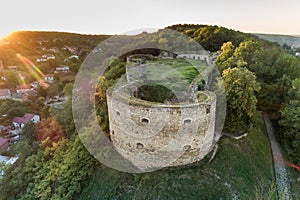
column 121, row 16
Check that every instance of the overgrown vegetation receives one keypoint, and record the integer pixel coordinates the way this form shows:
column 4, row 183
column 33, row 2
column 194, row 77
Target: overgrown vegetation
column 53, row 164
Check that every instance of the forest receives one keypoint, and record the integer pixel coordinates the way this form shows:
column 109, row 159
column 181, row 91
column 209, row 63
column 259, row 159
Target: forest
column 53, row 163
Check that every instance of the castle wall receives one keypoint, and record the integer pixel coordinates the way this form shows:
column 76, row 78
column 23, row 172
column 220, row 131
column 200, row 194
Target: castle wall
column 157, row 135
column 203, row 57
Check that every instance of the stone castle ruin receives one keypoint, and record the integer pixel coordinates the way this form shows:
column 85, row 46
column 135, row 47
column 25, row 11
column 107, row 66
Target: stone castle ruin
column 161, row 134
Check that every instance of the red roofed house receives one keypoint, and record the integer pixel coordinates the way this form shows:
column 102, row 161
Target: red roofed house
column 19, row 122
column 3, row 144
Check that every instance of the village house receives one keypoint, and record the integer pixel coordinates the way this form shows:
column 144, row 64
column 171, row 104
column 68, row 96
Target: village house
column 49, row 77
column 62, row 68
column 21, row 89
column 45, row 58
column 3, row 78
column 49, row 56
column 34, row 84
column 3, row 144
column 72, row 49
column 41, row 60
column 5, row 94
column 74, row 56
column 7, row 160
column 54, row 50
column 12, row 68
column 19, row 122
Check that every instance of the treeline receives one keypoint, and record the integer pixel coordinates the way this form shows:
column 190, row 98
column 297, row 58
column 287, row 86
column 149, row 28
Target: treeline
column 278, row 75
column 211, row 37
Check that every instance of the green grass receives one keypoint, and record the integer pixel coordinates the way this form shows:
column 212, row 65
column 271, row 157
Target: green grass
column 295, row 186
column 182, row 70
column 242, row 167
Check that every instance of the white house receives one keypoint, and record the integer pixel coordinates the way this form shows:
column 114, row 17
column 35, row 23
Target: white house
column 21, row 89
column 5, row 94
column 19, row 122
column 49, row 56
column 74, row 56
column 49, row 77
column 46, row 57
column 63, row 68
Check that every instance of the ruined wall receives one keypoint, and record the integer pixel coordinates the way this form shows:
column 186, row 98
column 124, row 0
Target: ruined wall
column 205, row 57
column 153, row 135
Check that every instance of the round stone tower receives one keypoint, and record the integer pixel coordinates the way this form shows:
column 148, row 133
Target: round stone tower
column 154, row 135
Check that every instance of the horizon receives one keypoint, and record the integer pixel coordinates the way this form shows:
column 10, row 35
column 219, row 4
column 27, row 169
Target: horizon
column 117, row 17
column 140, row 30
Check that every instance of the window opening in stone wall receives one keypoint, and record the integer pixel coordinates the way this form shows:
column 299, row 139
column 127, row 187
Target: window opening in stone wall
column 139, row 145
column 187, row 121
column 144, row 120
column 207, row 109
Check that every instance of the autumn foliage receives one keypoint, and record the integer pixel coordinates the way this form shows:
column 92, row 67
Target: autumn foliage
column 49, row 131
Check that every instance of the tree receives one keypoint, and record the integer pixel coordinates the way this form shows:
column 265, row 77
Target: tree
column 12, row 79
column 225, row 60
column 68, row 89
column 29, row 132
column 287, row 64
column 240, row 85
column 49, row 131
column 52, row 90
column 290, row 121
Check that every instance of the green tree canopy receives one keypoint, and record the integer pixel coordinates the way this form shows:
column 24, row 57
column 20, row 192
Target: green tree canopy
column 240, row 85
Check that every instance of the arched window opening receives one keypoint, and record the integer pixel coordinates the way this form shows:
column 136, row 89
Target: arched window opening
column 187, row 121
column 139, row 145
column 145, row 120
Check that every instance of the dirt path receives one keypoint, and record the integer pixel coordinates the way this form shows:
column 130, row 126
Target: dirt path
column 281, row 178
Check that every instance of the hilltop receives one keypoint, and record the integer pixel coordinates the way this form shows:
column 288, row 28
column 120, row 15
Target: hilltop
column 65, row 169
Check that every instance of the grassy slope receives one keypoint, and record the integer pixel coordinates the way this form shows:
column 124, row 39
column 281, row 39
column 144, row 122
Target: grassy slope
column 240, row 167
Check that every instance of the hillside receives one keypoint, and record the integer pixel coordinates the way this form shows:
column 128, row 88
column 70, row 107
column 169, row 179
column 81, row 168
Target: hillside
column 293, row 41
column 241, row 169
column 33, row 44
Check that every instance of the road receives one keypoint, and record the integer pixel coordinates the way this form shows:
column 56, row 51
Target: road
column 281, row 177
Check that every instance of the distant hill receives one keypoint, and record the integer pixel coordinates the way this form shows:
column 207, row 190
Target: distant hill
column 34, row 44
column 293, row 41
